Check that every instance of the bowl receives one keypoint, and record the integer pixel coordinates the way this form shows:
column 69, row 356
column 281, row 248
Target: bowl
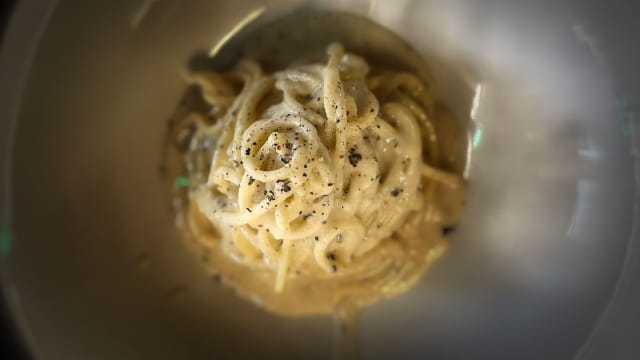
column 543, row 265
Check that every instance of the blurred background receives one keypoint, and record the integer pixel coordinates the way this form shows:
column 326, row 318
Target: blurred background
column 10, row 345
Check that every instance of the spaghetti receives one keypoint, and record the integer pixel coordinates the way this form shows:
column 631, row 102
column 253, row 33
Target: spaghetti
column 314, row 177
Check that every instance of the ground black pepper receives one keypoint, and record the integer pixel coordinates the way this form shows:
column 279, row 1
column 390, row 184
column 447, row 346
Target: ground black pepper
column 446, row 230
column 270, row 195
column 354, row 156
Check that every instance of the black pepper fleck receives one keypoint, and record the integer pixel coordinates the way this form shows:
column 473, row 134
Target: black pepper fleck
column 270, row 195
column 285, row 159
column 446, row 230
column 354, row 157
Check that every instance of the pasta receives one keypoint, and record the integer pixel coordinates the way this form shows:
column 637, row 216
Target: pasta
column 314, row 177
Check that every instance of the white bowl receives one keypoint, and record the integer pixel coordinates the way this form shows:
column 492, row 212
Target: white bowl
column 544, row 265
